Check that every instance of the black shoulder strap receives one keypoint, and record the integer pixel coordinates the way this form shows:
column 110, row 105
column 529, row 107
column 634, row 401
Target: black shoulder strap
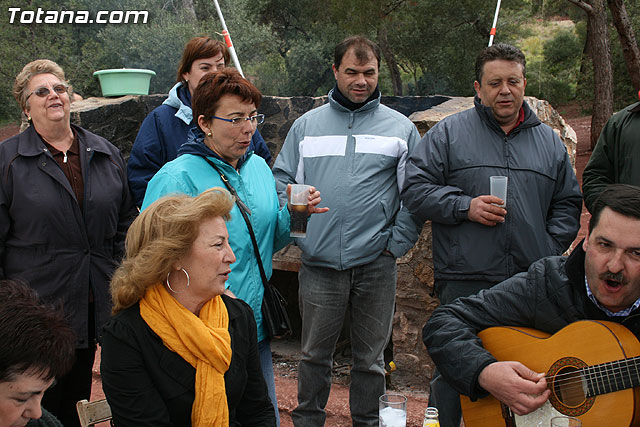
column 244, row 211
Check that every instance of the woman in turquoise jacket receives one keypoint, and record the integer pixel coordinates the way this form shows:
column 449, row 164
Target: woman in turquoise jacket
column 225, row 105
column 167, row 127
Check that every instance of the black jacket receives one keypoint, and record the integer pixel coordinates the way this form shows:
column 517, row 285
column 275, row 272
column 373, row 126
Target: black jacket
column 147, row 384
column 47, row 240
column 548, row 297
column 616, row 156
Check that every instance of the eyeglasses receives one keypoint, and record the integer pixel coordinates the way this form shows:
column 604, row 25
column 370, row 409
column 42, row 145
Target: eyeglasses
column 43, row 91
column 239, row 121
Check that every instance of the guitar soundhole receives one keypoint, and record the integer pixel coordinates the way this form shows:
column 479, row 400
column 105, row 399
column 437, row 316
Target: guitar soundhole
column 567, row 392
column 568, row 387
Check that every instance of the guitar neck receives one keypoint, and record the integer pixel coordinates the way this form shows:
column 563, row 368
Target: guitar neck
column 612, row 376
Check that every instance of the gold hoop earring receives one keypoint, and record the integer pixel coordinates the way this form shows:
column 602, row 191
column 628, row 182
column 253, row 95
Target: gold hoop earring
column 169, row 284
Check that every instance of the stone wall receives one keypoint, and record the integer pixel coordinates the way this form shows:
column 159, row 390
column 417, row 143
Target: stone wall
column 119, row 119
column 116, row 119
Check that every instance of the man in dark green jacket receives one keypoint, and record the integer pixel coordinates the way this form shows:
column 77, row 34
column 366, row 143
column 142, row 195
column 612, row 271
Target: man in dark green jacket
column 616, row 157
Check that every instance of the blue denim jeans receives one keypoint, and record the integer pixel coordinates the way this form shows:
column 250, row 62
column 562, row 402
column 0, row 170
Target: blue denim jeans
column 367, row 295
column 266, row 363
column 441, row 394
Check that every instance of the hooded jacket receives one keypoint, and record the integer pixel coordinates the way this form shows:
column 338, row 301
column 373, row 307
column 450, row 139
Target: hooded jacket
column 453, row 163
column 548, row 297
column 191, row 174
column 616, row 156
column 356, row 159
column 46, row 239
column 160, row 136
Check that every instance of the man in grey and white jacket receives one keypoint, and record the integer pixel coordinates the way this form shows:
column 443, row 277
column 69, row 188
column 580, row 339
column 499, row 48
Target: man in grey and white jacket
column 477, row 243
column 353, row 150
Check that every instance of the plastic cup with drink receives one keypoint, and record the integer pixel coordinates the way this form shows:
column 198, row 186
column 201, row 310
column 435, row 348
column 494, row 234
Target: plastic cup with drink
column 392, row 410
column 298, row 204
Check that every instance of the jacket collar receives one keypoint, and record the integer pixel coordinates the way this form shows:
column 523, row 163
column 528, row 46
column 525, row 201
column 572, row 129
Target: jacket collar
column 232, row 307
column 634, row 108
column 180, row 98
column 486, row 114
column 574, row 267
column 30, row 143
column 374, row 103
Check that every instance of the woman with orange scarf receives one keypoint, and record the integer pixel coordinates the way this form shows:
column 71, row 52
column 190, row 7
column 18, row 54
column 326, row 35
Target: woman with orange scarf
column 178, row 352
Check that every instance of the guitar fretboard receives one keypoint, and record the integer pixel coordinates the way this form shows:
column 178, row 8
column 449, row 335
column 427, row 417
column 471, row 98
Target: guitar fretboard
column 612, row 376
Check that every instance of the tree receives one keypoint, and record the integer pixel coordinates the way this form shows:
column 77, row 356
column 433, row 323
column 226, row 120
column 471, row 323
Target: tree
column 389, row 57
column 627, row 40
column 600, row 53
column 189, row 9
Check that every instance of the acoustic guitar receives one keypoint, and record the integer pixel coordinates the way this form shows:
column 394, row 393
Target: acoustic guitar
column 592, row 369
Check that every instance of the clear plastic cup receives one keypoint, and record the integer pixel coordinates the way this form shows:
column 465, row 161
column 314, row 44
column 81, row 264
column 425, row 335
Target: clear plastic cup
column 298, row 201
column 498, row 188
column 392, row 410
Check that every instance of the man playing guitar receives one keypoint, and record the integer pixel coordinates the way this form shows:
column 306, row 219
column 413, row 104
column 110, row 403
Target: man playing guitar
column 599, row 281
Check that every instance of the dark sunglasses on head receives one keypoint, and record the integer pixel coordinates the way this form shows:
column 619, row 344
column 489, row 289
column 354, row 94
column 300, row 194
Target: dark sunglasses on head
column 44, row 91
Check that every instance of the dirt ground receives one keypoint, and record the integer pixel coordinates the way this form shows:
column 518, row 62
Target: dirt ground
column 286, row 353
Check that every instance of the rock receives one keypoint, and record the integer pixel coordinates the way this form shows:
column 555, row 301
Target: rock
column 425, row 120
column 116, row 119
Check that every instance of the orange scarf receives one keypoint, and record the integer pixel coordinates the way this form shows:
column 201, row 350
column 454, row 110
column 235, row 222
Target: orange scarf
column 204, row 342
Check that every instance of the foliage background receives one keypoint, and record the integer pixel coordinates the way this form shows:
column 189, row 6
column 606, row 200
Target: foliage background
column 286, row 47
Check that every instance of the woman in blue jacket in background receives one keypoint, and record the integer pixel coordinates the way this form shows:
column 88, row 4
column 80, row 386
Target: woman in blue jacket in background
column 225, row 109
column 166, row 128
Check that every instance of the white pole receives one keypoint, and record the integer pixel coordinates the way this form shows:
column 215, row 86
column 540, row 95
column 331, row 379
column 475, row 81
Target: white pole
column 495, row 23
column 227, row 40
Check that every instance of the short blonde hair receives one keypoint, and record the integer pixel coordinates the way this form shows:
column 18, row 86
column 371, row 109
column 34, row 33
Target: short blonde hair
column 162, row 234
column 33, row 68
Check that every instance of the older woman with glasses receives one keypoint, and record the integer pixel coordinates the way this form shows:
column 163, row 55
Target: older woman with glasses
column 65, row 207
column 225, row 107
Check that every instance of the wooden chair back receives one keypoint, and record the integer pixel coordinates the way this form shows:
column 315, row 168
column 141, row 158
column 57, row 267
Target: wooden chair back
column 91, row 413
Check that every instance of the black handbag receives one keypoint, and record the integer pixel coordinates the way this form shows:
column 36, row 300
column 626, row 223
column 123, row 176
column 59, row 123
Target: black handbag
column 274, row 310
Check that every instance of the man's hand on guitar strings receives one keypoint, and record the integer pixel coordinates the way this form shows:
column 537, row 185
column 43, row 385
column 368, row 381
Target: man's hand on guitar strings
column 515, row 385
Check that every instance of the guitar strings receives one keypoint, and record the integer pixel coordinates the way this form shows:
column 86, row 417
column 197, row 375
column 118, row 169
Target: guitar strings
column 620, row 367
column 615, row 369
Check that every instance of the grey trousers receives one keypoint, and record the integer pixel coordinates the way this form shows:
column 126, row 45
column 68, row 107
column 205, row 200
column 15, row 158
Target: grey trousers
column 367, row 295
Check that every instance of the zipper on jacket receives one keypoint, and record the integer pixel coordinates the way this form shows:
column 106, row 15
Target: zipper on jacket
column 507, row 225
column 65, row 157
column 351, row 119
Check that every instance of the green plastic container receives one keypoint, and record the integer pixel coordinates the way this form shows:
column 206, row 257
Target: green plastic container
column 124, row 81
